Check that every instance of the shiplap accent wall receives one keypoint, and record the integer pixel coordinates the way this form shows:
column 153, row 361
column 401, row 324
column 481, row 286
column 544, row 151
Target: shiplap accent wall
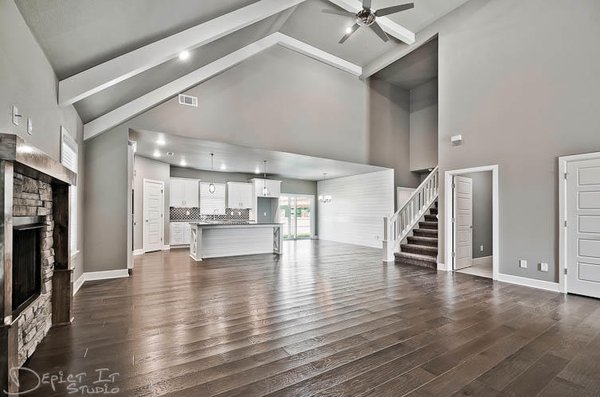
column 359, row 204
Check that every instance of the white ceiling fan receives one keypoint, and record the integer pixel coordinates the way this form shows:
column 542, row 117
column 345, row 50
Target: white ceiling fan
column 367, row 17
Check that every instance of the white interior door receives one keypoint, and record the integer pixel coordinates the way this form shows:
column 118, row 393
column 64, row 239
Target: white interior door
column 583, row 227
column 463, row 222
column 153, row 215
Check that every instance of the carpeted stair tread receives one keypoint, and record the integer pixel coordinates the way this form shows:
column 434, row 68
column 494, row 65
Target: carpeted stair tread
column 419, row 249
column 431, row 218
column 419, row 240
column 426, row 232
column 433, row 211
column 428, row 225
column 416, row 260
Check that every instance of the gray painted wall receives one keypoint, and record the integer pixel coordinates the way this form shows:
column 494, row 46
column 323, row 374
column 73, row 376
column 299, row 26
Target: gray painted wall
column 278, row 100
column 424, row 126
column 520, row 100
column 389, row 127
column 482, row 213
column 28, row 81
column 105, row 210
column 158, row 171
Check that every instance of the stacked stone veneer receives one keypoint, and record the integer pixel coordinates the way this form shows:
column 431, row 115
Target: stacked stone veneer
column 34, row 198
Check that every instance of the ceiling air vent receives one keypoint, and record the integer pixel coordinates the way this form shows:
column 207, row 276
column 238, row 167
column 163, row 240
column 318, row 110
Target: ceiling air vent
column 188, row 100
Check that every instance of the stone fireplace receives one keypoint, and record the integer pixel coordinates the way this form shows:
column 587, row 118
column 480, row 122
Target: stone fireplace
column 36, row 276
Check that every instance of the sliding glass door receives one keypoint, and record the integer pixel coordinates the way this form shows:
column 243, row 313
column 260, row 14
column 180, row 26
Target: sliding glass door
column 297, row 215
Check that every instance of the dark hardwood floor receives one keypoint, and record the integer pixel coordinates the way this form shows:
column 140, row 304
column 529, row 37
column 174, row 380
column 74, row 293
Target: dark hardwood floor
column 326, row 319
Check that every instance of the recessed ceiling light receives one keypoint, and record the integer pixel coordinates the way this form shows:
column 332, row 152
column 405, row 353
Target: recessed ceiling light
column 161, row 142
column 349, row 30
column 170, row 154
column 223, row 167
column 184, row 55
column 156, row 154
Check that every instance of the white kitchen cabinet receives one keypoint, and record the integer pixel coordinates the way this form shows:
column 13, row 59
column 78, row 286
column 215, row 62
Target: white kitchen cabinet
column 273, row 187
column 179, row 233
column 183, row 193
column 239, row 195
column 212, row 203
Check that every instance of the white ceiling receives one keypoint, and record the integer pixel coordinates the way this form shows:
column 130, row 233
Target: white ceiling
column 196, row 154
column 79, row 34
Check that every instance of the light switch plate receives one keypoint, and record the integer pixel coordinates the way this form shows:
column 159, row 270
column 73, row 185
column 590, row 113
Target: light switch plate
column 16, row 116
column 543, row 267
column 481, row 248
column 522, row 263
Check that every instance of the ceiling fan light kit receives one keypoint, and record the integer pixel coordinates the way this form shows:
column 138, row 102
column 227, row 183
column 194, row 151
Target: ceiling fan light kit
column 368, row 18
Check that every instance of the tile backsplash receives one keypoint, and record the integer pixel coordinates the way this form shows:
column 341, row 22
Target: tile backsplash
column 185, row 214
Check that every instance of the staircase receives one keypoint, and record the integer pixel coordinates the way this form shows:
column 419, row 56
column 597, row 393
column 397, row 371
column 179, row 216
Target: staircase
column 421, row 248
column 417, row 224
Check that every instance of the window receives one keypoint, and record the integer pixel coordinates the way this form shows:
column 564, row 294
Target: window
column 69, row 158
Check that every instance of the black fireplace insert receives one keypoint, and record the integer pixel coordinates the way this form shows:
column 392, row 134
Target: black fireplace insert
column 26, row 268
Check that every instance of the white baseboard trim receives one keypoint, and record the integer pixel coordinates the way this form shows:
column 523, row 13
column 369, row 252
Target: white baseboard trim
column 529, row 282
column 485, row 260
column 442, row 267
column 106, row 275
column 95, row 276
column 138, row 252
column 166, row 247
column 78, row 283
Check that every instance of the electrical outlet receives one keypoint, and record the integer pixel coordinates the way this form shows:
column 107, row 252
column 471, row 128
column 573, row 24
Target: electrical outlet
column 522, row 263
column 543, row 267
column 481, row 248
column 376, row 237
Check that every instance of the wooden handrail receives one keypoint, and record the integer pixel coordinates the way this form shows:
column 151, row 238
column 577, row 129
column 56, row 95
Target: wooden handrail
column 398, row 225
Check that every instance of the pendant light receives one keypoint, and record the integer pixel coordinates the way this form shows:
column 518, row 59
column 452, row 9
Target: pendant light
column 265, row 191
column 324, row 199
column 211, row 187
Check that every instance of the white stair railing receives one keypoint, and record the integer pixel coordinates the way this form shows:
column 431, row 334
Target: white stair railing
column 397, row 226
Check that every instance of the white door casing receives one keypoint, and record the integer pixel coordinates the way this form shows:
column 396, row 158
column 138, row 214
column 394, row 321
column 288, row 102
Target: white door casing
column 583, row 227
column 463, row 222
column 153, row 215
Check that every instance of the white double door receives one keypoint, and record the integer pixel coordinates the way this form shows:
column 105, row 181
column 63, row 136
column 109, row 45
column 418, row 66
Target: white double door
column 153, row 215
column 583, row 227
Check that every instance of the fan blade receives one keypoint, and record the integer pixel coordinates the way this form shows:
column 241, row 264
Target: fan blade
column 392, row 10
column 339, row 12
column 352, row 30
column 367, row 4
column 377, row 29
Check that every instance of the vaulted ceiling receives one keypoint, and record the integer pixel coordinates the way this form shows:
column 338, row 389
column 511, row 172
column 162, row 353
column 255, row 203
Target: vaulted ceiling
column 107, row 54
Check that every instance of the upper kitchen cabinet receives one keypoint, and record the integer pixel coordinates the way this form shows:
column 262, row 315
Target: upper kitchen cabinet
column 184, row 193
column 212, row 203
column 273, row 188
column 239, row 195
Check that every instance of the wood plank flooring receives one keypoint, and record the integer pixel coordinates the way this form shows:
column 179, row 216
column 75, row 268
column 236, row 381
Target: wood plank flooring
column 325, row 319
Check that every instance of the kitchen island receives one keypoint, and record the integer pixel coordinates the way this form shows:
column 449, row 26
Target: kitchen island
column 215, row 240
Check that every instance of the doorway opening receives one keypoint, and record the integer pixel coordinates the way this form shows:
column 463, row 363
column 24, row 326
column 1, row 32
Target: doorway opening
column 296, row 212
column 471, row 218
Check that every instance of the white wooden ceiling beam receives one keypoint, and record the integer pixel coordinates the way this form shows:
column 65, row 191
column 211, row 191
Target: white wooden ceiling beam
column 159, row 95
column 390, row 27
column 109, row 73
